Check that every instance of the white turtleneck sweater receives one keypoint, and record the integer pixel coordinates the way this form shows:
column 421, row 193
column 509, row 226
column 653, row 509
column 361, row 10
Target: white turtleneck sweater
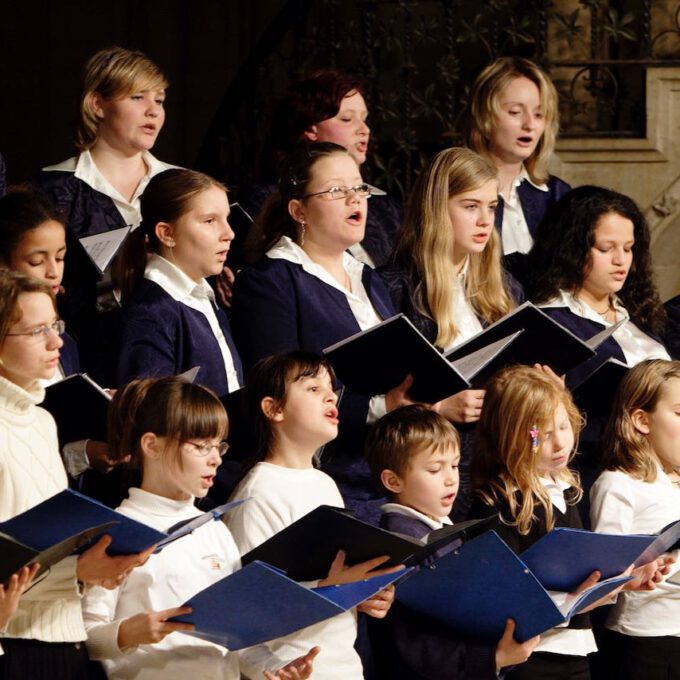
column 31, row 470
column 168, row 579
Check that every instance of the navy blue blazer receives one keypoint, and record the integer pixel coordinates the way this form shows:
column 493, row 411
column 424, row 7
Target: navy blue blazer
column 672, row 338
column 278, row 307
column 162, row 337
column 535, row 206
column 535, row 202
column 409, row 646
column 68, row 356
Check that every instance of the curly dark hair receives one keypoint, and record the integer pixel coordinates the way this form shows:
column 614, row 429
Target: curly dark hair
column 560, row 258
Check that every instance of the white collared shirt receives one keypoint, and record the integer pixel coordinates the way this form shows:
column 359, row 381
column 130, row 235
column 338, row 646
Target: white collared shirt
column 197, row 295
column 434, row 524
column 464, row 316
column 635, row 344
column 515, row 231
column 357, row 299
column 84, row 168
column 621, row 504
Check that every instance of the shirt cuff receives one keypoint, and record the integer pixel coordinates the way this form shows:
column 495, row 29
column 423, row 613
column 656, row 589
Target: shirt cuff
column 376, row 409
column 75, row 457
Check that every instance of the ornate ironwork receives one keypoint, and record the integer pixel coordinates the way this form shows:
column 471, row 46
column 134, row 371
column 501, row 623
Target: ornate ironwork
column 418, row 58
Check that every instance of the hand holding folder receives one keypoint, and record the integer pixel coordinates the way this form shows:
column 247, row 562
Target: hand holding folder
column 564, row 557
column 306, row 548
column 70, row 522
column 478, row 588
column 260, row 603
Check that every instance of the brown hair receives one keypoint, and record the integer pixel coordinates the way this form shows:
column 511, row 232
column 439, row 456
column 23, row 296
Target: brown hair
column 270, row 377
column 166, row 198
column 12, row 285
column 274, row 221
column 484, row 107
column 517, row 400
column 403, row 433
column 113, row 73
column 624, row 447
column 169, row 407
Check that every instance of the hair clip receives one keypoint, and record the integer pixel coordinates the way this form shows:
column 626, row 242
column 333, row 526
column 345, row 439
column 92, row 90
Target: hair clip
column 294, row 181
column 534, row 432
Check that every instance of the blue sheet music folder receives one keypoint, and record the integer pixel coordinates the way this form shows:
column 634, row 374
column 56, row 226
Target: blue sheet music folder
column 564, row 558
column 69, row 513
column 476, row 589
column 260, row 603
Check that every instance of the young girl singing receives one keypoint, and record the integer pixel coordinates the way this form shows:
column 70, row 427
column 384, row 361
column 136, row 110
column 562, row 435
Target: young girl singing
column 171, row 322
column 292, row 409
column 524, row 442
column 639, row 493
column 174, row 431
column 33, row 241
column 43, row 637
column 446, row 273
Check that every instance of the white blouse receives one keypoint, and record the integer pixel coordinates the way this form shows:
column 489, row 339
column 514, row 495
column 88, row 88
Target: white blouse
column 515, row 232
column 635, row 344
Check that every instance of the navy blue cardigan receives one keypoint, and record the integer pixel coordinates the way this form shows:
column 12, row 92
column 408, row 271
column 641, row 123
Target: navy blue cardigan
column 68, row 356
column 162, row 337
column 410, row 646
column 278, row 307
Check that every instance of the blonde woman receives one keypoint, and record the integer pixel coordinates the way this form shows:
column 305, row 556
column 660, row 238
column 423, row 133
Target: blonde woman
column 513, row 121
column 121, row 115
column 446, row 276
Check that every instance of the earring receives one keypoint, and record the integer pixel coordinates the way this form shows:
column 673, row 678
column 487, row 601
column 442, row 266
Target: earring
column 303, row 224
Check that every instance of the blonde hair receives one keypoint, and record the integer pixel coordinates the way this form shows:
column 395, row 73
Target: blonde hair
column 625, row 448
column 113, row 73
column 517, row 400
column 425, row 244
column 485, row 106
column 402, row 434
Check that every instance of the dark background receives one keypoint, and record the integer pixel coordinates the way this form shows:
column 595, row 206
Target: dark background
column 44, row 45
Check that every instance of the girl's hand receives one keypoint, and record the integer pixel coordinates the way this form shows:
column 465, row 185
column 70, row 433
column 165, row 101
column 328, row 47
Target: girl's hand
column 558, row 379
column 610, row 598
column 378, row 605
column 398, row 396
column 148, row 628
column 340, row 573
column 464, row 407
column 224, row 284
column 298, row 669
column 95, row 567
column 509, row 652
column 648, row 575
column 12, row 592
column 98, row 455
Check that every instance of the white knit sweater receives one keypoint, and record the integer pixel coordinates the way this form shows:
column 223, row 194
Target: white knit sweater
column 31, row 470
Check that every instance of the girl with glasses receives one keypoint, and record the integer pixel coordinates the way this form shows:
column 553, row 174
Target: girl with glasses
column 306, row 292
column 43, row 639
column 174, row 432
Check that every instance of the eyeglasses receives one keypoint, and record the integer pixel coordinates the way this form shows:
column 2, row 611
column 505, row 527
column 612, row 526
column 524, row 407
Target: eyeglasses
column 202, row 450
column 336, row 193
column 42, row 332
